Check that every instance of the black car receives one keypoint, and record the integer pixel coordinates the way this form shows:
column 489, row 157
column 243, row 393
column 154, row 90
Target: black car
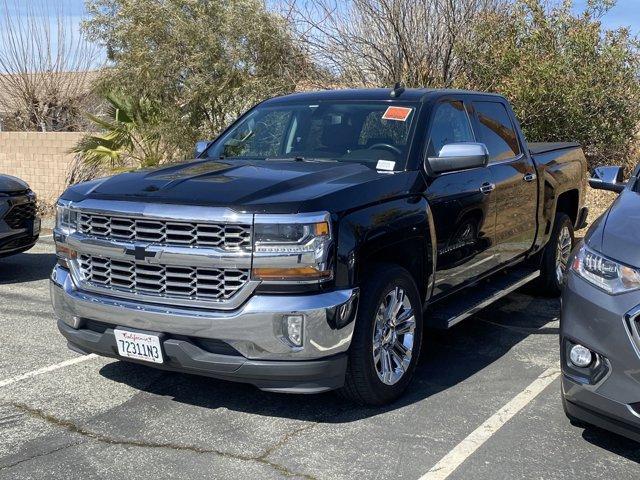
column 19, row 221
column 600, row 320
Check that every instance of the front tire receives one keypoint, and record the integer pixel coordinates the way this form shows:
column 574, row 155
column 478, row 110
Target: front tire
column 387, row 337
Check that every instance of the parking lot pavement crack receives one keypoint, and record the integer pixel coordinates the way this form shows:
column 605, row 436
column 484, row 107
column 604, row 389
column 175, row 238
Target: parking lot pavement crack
column 40, row 455
column 287, row 437
column 280, row 443
column 106, row 439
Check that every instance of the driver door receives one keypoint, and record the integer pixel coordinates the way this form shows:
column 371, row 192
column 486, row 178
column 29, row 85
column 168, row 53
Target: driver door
column 462, row 205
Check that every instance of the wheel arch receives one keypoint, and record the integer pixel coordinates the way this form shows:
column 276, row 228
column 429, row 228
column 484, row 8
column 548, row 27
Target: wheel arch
column 568, row 202
column 398, row 231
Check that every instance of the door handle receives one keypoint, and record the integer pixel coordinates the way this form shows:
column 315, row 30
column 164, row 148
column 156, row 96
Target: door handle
column 529, row 177
column 487, row 187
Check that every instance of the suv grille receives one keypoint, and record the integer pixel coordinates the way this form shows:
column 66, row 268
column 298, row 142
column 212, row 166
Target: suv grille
column 195, row 283
column 226, row 236
column 20, row 215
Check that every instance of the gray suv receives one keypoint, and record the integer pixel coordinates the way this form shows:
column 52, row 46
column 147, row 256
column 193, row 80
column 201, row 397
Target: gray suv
column 600, row 321
column 19, row 222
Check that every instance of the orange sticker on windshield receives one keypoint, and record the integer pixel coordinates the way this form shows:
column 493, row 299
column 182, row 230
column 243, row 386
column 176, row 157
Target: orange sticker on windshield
column 397, row 113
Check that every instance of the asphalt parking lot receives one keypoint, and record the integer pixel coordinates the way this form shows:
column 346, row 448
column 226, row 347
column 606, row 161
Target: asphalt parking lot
column 484, row 404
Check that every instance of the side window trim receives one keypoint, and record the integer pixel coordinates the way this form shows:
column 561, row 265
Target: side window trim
column 432, row 116
column 476, row 128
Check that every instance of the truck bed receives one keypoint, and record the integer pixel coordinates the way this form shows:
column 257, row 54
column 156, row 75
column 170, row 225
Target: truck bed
column 538, row 148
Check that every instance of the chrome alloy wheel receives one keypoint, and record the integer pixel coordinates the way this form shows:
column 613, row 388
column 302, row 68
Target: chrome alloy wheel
column 562, row 254
column 393, row 334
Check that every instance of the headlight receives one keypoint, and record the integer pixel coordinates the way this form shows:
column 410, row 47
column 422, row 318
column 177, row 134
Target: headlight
column 607, row 274
column 66, row 218
column 292, row 248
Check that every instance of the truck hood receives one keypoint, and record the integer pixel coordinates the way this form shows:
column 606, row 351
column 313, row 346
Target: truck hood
column 9, row 184
column 617, row 233
column 252, row 186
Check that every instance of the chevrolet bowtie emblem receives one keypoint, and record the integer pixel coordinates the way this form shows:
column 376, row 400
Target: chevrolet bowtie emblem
column 140, row 253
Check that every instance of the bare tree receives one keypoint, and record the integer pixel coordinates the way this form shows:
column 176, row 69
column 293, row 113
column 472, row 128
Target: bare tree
column 46, row 67
column 380, row 42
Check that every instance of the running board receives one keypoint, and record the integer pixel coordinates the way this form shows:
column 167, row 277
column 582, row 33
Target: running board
column 446, row 313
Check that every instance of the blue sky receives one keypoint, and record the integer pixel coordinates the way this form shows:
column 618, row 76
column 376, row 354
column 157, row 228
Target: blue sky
column 625, row 13
column 71, row 10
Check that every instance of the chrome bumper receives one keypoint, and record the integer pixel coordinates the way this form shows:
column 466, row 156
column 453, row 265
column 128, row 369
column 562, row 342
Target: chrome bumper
column 254, row 329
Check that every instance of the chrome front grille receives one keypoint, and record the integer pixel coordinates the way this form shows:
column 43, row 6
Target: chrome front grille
column 178, row 282
column 167, row 232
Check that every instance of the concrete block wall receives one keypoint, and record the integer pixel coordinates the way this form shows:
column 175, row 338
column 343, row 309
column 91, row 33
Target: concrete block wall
column 39, row 158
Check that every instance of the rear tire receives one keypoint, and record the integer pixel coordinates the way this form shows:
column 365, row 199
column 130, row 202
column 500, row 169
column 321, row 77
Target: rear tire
column 555, row 257
column 387, row 337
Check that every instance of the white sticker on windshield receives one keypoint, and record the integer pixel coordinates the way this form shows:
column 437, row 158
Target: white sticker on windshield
column 386, row 165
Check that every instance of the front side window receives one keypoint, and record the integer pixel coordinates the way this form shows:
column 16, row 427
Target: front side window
column 496, row 131
column 450, row 124
column 331, row 131
column 258, row 136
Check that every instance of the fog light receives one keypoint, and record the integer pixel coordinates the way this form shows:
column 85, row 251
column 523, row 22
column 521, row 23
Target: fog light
column 580, row 356
column 293, row 328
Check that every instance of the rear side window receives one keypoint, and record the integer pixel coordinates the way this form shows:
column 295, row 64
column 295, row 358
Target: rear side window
column 497, row 131
column 450, row 125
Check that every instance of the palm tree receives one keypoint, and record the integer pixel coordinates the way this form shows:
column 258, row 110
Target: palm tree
column 130, row 136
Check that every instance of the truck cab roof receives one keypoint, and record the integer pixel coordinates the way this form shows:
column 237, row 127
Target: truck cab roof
column 373, row 94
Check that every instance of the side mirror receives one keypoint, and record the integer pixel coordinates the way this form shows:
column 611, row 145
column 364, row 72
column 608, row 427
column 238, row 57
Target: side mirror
column 458, row 156
column 201, row 146
column 608, row 178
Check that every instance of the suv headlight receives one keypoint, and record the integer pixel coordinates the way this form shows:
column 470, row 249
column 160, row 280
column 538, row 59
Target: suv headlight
column 609, row 275
column 66, row 218
column 292, row 248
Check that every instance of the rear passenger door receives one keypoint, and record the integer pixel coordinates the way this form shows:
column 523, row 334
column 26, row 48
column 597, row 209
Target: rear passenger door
column 514, row 175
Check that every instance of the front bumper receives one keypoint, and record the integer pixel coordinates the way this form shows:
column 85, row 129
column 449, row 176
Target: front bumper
column 255, row 348
column 610, row 398
column 17, row 244
column 16, row 240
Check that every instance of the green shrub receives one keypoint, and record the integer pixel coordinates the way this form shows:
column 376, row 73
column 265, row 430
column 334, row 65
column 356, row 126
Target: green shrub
column 130, row 135
column 201, row 62
column 567, row 77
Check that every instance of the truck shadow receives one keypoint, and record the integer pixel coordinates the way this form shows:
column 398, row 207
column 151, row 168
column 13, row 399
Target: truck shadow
column 26, row 267
column 448, row 359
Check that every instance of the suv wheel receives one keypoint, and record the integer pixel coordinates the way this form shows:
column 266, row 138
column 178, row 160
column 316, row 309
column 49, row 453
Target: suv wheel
column 387, row 338
column 555, row 258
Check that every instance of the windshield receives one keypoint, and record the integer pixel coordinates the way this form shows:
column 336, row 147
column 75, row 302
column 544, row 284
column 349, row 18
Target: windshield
column 326, row 131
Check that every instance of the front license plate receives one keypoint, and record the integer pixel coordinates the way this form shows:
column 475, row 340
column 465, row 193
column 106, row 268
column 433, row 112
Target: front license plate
column 140, row 346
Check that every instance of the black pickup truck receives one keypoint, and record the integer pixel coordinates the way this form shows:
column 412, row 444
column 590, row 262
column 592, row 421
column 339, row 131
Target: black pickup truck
column 308, row 247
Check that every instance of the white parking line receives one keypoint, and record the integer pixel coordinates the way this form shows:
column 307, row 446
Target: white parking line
column 452, row 460
column 50, row 368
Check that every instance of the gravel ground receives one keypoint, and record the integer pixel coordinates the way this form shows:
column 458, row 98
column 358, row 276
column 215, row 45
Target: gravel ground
column 102, row 418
